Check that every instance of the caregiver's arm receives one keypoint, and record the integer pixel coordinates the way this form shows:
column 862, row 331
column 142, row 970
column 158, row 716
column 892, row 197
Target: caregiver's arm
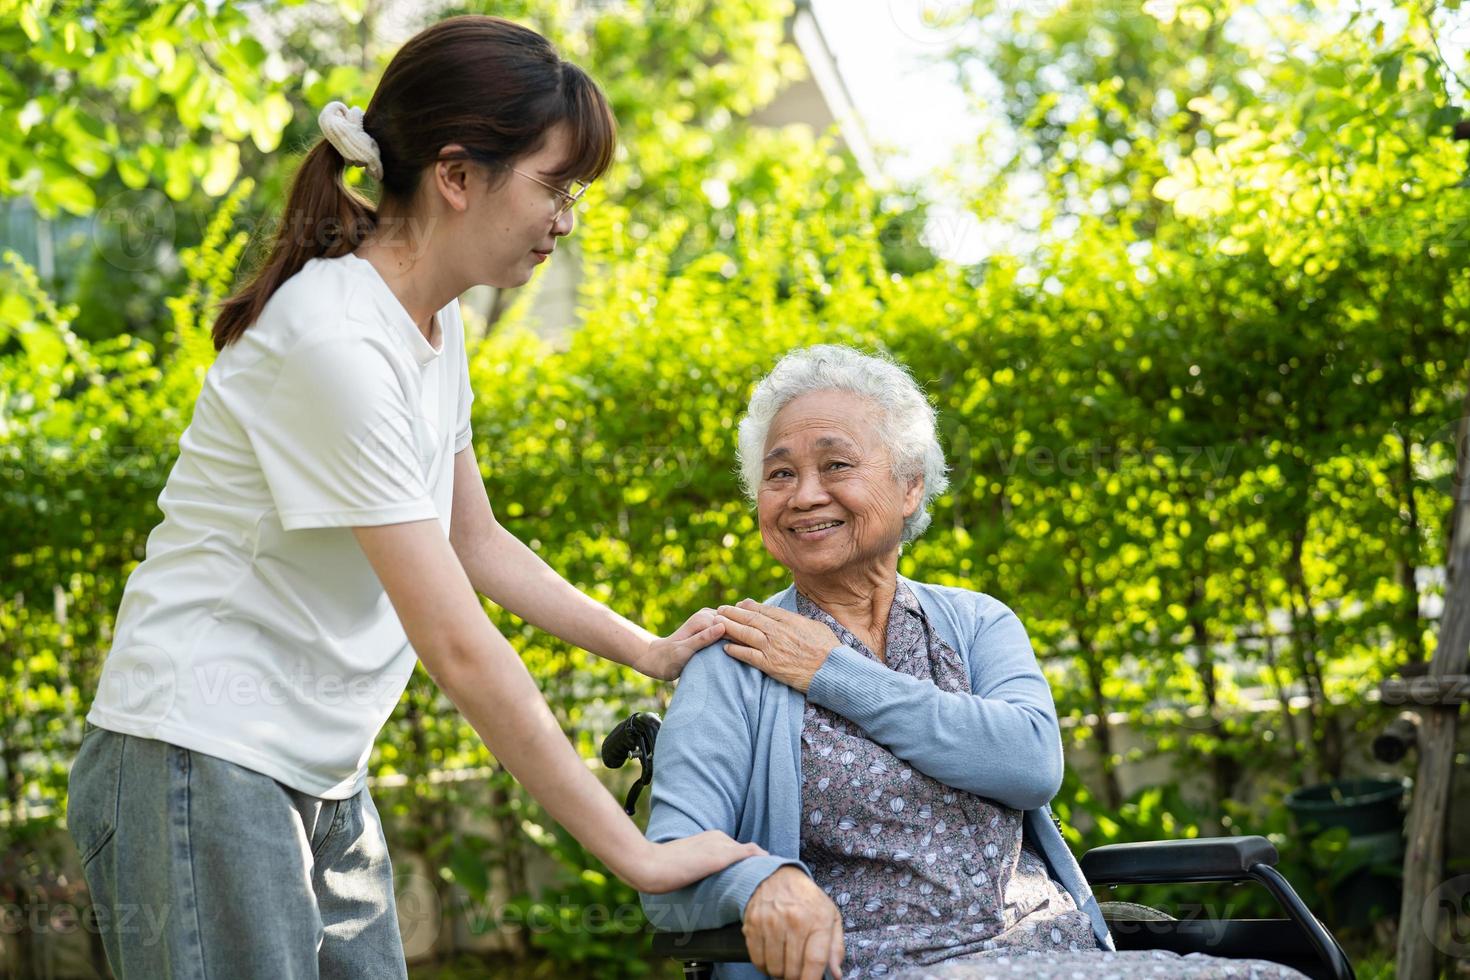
column 511, row 575
column 1000, row 741
column 705, row 753
column 475, row 666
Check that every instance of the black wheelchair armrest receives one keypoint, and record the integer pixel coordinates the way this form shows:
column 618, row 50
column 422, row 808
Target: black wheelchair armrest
column 1200, row 859
column 1216, row 859
column 1209, row 859
column 723, row 945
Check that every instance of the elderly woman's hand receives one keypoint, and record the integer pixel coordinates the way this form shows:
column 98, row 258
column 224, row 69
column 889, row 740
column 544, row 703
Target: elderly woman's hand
column 792, row 929
column 780, row 644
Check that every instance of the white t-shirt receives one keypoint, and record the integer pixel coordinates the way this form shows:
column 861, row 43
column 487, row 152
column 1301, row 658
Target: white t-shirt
column 255, row 629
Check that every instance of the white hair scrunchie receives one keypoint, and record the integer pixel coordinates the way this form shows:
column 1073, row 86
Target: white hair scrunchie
column 343, row 129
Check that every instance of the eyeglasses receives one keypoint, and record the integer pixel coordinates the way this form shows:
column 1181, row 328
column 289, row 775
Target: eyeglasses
column 568, row 201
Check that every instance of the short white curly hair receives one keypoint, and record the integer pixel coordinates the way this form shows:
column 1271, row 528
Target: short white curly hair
column 904, row 417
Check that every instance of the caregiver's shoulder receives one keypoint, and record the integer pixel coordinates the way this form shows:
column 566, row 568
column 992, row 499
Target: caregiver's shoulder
column 327, row 300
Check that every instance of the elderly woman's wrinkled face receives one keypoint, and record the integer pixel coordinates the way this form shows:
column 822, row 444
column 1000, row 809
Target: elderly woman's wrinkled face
column 828, row 500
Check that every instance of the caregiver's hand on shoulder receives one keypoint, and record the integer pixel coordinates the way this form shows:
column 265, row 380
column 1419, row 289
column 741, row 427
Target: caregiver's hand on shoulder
column 658, row 868
column 667, row 655
column 792, row 929
column 777, row 642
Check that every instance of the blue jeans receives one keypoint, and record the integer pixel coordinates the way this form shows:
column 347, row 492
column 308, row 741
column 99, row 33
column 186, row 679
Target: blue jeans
column 201, row 869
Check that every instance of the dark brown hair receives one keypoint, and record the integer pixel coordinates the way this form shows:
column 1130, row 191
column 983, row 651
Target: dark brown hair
column 488, row 84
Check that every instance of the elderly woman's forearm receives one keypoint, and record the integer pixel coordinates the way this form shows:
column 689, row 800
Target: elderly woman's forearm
column 1005, row 750
column 716, row 900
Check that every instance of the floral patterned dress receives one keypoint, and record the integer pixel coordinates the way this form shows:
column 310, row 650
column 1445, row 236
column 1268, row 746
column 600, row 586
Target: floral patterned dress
column 932, row 881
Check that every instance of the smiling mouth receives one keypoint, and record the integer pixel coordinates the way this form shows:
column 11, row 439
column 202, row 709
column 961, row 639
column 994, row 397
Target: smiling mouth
column 816, row 527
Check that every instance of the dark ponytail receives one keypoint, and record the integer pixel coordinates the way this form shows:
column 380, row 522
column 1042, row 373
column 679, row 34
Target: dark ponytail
column 490, row 85
column 323, row 217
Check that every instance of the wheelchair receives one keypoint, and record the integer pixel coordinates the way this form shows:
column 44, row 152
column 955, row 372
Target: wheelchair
column 1299, row 940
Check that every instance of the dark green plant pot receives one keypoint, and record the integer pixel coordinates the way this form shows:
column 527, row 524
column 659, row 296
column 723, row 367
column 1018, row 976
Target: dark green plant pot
column 1371, row 811
column 1360, row 806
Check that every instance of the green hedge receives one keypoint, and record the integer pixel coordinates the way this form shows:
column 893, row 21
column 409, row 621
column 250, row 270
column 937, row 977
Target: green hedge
column 1200, row 439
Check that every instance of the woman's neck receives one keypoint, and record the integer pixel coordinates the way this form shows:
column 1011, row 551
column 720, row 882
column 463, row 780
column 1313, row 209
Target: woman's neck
column 403, row 259
column 859, row 600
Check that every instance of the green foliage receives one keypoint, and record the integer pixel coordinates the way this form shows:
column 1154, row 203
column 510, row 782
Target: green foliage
column 589, row 924
column 159, row 92
column 1198, row 433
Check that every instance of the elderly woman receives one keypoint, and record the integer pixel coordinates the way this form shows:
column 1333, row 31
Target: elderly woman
column 892, row 744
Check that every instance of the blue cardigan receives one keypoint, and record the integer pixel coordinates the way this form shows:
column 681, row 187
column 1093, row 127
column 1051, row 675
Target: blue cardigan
column 729, row 752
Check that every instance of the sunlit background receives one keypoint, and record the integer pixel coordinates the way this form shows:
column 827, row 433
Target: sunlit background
column 1187, row 283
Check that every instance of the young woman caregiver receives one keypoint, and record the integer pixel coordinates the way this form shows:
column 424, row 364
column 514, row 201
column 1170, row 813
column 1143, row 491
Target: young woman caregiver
column 325, row 522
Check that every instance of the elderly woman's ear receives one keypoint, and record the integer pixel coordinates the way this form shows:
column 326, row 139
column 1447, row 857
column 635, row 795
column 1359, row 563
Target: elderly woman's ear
column 913, row 496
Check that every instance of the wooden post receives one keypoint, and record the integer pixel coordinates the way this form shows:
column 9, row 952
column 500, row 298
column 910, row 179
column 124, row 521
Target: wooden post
column 1439, row 696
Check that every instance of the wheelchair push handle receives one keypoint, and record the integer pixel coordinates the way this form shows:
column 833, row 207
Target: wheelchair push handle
column 634, row 738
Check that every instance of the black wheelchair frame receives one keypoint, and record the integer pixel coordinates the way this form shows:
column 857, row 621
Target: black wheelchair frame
column 1299, row 941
